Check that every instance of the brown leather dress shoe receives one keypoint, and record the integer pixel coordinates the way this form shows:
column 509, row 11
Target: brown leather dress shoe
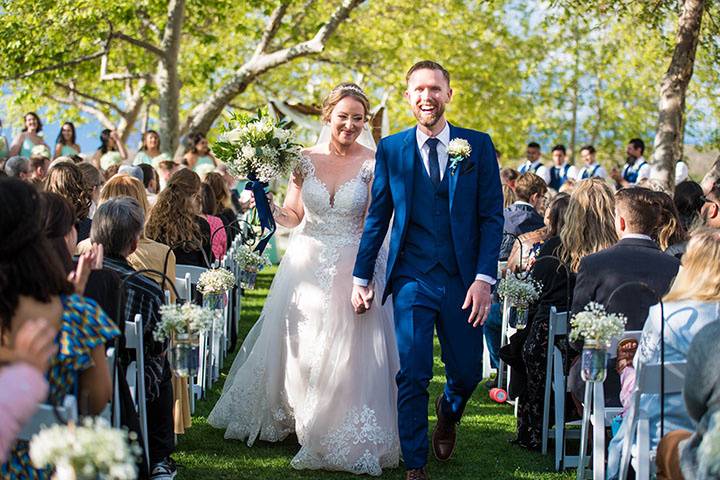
column 417, row 474
column 444, row 435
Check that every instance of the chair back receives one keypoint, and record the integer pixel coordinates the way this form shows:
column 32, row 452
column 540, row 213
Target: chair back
column 46, row 417
column 194, row 272
column 184, row 287
column 135, row 374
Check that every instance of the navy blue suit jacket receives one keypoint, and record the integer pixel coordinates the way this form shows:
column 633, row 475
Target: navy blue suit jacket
column 476, row 205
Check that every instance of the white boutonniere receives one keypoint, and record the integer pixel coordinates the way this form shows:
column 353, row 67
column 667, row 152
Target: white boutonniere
column 458, row 150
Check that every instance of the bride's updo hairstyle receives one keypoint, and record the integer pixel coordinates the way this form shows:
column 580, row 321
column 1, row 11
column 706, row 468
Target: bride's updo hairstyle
column 343, row 90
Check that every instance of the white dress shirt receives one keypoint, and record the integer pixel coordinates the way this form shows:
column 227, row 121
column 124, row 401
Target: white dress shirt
column 444, row 140
column 599, row 173
column 572, row 172
column 537, row 168
column 642, row 168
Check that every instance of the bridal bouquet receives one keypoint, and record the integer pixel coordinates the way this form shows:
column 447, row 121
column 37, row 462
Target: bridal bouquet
column 216, row 281
column 185, row 319
column 89, row 451
column 258, row 148
column 596, row 325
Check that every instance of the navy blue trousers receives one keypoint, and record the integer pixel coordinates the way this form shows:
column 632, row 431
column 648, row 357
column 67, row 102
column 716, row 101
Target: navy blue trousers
column 423, row 302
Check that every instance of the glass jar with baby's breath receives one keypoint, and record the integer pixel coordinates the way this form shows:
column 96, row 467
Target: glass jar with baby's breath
column 596, row 327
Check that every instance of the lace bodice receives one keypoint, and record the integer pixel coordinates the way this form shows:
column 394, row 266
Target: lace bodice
column 338, row 219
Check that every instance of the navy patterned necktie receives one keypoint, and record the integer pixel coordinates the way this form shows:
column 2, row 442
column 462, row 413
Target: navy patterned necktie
column 433, row 161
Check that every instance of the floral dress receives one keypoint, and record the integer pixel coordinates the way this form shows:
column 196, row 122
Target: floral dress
column 83, row 327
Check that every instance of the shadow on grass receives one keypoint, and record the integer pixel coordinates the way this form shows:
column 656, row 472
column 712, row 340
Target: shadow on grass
column 483, row 451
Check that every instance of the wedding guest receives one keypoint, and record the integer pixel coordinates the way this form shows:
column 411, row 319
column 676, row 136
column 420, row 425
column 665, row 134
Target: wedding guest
column 111, row 171
column 165, row 170
column 18, row 167
column 39, row 165
column 132, row 170
column 93, row 181
column 585, row 228
column 508, row 176
column 66, row 179
column 635, row 169
column 150, row 152
column 66, row 143
column 689, row 201
column 118, row 227
column 217, row 228
column 569, row 186
column 534, row 163
column 29, row 137
column 148, row 254
column 509, row 196
column 635, row 258
column 175, row 220
column 110, row 142
column 670, row 232
column 39, row 289
column 223, row 205
column 151, row 181
column 591, row 167
column 525, row 214
column 711, row 208
column 199, row 153
column 692, row 303
column 561, row 171
column 22, row 379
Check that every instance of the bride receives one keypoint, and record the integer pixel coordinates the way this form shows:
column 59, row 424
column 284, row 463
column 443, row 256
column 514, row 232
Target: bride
column 311, row 365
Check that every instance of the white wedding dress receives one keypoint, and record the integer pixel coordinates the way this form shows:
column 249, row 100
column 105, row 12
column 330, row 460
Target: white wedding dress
column 310, row 365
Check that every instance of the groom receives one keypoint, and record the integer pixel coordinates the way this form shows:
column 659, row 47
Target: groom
column 446, row 234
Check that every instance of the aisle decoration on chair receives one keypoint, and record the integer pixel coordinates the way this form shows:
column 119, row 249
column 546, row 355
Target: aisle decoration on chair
column 214, row 284
column 250, row 263
column 259, row 149
column 520, row 292
column 182, row 325
column 90, row 451
column 596, row 327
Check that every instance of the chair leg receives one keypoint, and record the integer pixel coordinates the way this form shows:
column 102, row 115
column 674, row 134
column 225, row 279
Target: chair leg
column 587, row 406
column 598, row 415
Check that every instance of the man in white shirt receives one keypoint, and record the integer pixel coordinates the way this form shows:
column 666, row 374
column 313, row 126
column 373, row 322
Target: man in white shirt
column 561, row 171
column 534, row 162
column 591, row 168
column 635, row 169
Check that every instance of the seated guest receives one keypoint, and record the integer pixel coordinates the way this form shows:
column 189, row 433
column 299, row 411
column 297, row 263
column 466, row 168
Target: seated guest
column 585, row 228
column 149, row 254
column 151, row 182
column 33, row 284
column 18, row 167
column 175, row 220
column 532, row 241
column 165, row 170
column 635, row 258
column 508, row 176
column 711, row 208
column 22, row 379
column 118, row 226
column 525, row 215
column 670, row 232
column 39, row 165
column 692, row 303
column 93, row 181
column 509, row 196
column 217, row 228
column 223, row 205
column 66, row 179
column 689, row 201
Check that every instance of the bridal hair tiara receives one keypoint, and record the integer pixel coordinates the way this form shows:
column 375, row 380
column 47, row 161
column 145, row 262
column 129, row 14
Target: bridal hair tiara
column 343, row 87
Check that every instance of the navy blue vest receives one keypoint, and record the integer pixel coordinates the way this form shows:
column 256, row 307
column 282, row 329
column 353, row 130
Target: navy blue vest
column 630, row 172
column 428, row 239
column 557, row 177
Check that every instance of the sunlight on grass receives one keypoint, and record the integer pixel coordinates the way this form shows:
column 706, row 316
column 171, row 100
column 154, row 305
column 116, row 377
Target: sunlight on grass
column 483, row 451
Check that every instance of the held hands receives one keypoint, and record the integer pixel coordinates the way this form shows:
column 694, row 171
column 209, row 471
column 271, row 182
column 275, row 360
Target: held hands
column 34, row 344
column 362, row 298
column 88, row 261
column 478, row 297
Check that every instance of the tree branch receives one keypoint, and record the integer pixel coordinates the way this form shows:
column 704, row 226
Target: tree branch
column 148, row 23
column 72, row 91
column 58, row 66
column 106, row 77
column 139, row 43
column 271, row 28
column 85, row 107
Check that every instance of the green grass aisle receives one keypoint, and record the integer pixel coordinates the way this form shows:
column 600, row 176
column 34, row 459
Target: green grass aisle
column 483, row 451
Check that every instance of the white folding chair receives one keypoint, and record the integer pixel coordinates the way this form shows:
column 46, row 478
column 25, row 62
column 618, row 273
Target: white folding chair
column 184, row 287
column 48, row 415
column 195, row 272
column 136, row 375
column 647, row 381
column 506, row 332
column 595, row 412
column 112, row 410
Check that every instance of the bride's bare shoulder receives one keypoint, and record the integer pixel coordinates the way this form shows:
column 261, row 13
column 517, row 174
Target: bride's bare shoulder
column 315, row 150
column 366, row 153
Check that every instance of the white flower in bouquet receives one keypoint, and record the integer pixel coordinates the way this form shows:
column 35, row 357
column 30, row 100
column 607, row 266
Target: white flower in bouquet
column 459, row 147
column 215, row 281
column 594, row 323
column 249, row 260
column 91, row 450
column 709, row 450
column 257, row 147
column 183, row 319
column 520, row 292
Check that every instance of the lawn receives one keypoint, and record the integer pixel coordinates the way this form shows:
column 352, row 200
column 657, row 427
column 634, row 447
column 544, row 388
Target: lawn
column 483, row 451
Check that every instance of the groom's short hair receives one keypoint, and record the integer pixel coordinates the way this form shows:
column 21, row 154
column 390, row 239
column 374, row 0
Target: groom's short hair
column 428, row 65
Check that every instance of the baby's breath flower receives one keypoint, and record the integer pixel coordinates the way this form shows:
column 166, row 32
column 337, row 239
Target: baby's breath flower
column 215, row 281
column 519, row 292
column 594, row 323
column 183, row 319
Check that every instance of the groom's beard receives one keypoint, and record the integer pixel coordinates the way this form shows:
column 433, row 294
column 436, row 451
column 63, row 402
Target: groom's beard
column 429, row 120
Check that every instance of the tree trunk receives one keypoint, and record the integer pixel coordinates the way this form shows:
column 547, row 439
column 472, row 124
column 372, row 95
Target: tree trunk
column 669, row 136
column 575, row 93
column 167, row 79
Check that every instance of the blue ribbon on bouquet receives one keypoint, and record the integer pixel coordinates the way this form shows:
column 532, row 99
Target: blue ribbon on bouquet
column 267, row 222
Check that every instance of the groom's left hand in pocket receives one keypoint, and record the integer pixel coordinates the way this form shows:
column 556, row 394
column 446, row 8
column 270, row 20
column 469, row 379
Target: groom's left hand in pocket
column 479, row 298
